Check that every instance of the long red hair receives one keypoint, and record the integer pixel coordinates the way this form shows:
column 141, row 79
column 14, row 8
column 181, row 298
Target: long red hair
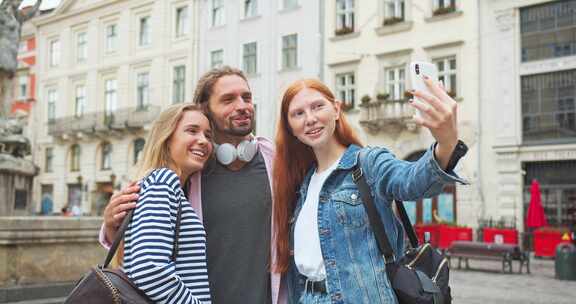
column 293, row 159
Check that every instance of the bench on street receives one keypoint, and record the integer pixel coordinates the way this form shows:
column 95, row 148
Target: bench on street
column 465, row 250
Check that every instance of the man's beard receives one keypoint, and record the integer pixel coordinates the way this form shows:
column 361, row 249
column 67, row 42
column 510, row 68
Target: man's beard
column 236, row 131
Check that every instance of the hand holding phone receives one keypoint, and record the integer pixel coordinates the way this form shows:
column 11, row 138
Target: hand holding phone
column 435, row 109
column 417, row 70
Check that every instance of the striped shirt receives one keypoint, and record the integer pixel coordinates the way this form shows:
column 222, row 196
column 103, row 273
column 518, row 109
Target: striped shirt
column 150, row 237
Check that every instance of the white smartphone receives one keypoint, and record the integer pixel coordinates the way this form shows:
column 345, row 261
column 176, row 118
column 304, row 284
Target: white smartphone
column 417, row 69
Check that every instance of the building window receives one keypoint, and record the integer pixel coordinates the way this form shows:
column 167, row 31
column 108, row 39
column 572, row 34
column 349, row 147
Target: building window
column 250, row 8
column 54, row 52
column 393, row 11
column 142, row 90
column 106, row 156
column 81, row 47
column 346, row 90
column 111, row 37
column 20, row 199
column 181, row 21
column 288, row 4
column 548, row 30
column 216, row 58
column 443, row 7
column 395, row 83
column 75, row 158
column 51, row 111
column 290, row 51
column 250, row 58
column 48, row 159
column 111, row 96
column 344, row 17
column 549, row 107
column 557, row 181
column 80, row 101
column 138, row 148
column 447, row 74
column 179, row 84
column 144, row 31
column 23, row 87
column 217, row 12
column 23, row 46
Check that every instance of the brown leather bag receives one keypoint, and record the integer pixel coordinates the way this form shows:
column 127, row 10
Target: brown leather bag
column 104, row 285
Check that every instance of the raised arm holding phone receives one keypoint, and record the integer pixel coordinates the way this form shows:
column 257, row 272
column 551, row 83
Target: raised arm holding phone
column 316, row 204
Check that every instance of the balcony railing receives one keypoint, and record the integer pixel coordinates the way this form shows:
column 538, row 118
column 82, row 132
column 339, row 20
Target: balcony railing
column 103, row 122
column 383, row 114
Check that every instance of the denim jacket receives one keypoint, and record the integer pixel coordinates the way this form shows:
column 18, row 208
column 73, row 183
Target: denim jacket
column 355, row 269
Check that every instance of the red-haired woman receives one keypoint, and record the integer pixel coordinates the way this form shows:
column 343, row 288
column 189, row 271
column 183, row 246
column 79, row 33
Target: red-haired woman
column 325, row 243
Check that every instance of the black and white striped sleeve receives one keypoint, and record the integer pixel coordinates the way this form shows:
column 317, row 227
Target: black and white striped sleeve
column 150, row 238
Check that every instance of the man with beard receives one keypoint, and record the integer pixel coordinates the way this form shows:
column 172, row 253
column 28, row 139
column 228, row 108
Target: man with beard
column 232, row 196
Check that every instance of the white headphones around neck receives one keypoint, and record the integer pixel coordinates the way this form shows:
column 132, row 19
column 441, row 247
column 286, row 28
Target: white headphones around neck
column 245, row 151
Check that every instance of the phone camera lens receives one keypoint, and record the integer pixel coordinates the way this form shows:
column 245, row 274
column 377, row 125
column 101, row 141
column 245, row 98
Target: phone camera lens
column 417, row 69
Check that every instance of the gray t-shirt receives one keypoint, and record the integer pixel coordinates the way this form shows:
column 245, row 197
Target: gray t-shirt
column 236, row 207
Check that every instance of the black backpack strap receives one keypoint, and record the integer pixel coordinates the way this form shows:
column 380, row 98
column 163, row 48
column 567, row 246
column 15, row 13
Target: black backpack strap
column 406, row 224
column 124, row 226
column 374, row 217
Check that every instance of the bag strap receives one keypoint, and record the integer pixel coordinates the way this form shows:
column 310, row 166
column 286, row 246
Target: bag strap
column 407, row 224
column 124, row 226
column 374, row 217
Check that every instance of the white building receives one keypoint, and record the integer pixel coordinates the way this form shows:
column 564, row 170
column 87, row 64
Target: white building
column 368, row 45
column 275, row 42
column 528, row 105
column 105, row 68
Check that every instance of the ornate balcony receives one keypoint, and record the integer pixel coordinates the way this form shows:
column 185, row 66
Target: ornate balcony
column 384, row 114
column 102, row 123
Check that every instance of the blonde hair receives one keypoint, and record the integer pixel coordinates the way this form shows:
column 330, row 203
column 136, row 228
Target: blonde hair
column 156, row 152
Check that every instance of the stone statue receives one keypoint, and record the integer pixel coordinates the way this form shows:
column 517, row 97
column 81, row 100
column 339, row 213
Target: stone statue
column 11, row 20
column 12, row 140
column 14, row 146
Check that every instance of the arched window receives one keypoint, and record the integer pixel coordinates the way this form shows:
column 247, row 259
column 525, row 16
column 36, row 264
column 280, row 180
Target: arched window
column 106, row 156
column 75, row 154
column 138, row 148
column 438, row 209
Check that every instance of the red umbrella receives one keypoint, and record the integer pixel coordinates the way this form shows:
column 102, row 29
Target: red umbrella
column 535, row 217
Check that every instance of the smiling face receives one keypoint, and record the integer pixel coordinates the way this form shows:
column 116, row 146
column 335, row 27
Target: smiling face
column 231, row 107
column 190, row 144
column 312, row 119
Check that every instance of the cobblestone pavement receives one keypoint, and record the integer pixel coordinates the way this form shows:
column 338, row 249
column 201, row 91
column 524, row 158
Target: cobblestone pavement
column 484, row 284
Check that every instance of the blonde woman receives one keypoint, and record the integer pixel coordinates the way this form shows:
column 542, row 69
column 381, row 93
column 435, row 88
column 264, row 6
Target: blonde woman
column 178, row 145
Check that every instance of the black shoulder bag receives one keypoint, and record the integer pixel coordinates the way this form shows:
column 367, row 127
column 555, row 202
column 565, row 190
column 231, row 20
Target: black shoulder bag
column 421, row 275
column 103, row 285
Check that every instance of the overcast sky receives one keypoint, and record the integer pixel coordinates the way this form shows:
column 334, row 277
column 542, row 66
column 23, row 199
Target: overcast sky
column 46, row 4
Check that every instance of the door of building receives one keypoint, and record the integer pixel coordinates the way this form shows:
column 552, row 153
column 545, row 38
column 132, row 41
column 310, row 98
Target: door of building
column 74, row 196
column 558, row 188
